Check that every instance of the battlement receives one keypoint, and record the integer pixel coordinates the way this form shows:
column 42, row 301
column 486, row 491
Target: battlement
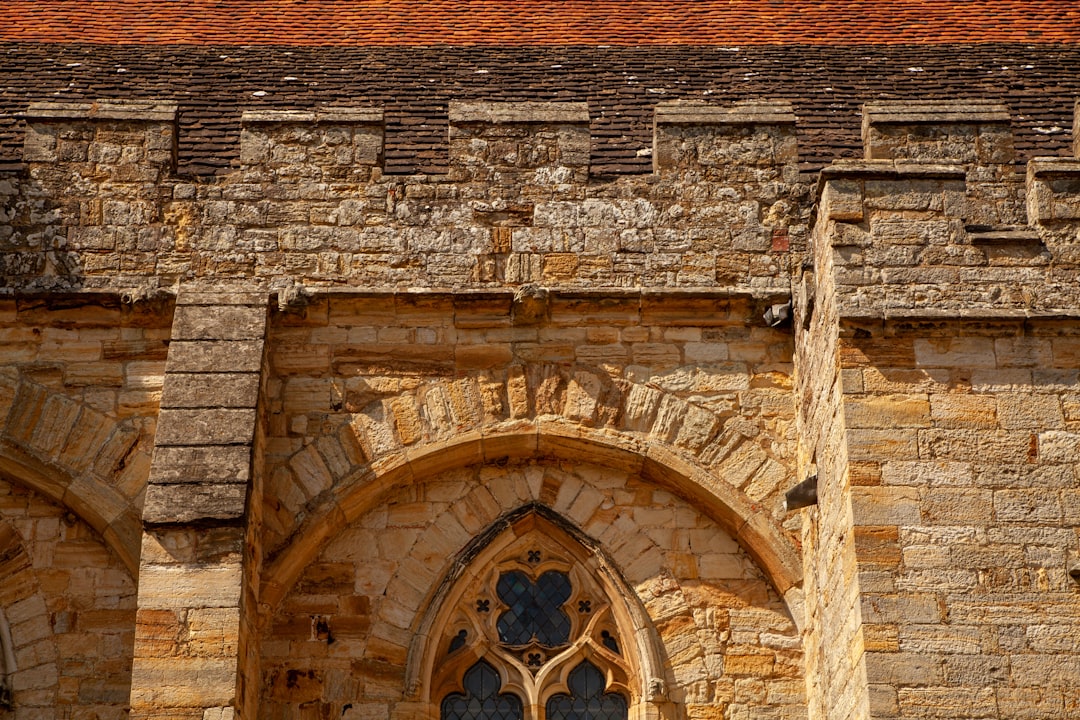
column 341, row 144
column 726, row 205
column 967, row 132
column 937, row 223
column 124, row 141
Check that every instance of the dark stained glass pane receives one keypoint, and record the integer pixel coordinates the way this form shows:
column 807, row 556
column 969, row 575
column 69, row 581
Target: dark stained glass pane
column 458, row 641
column 587, row 699
column 610, row 642
column 534, row 609
column 481, row 700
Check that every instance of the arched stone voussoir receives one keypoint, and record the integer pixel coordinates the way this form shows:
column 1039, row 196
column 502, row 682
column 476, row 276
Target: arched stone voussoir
column 551, row 438
column 522, row 411
column 560, row 438
column 99, row 505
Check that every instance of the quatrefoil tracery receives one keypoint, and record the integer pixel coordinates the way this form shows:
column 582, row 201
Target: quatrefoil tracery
column 533, row 610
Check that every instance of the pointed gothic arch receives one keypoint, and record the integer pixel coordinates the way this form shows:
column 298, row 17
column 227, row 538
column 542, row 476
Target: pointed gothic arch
column 536, row 602
column 759, row 534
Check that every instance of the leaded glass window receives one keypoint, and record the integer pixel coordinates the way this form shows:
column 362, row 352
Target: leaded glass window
column 530, row 620
column 534, row 609
column 481, row 699
column 587, row 699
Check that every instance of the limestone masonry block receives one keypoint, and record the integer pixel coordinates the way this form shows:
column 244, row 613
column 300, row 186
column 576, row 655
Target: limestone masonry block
column 965, row 131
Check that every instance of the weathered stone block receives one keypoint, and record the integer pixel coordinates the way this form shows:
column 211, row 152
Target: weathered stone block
column 213, row 426
column 194, row 502
column 215, row 356
column 207, row 390
column 194, row 322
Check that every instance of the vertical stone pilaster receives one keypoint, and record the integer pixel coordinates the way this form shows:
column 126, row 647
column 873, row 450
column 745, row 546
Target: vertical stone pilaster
column 196, row 578
column 832, row 631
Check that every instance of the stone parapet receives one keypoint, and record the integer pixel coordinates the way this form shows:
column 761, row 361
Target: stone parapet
column 333, row 144
column 125, row 141
column 750, row 141
column 972, row 133
column 536, row 143
column 964, row 131
column 1053, row 201
column 903, row 242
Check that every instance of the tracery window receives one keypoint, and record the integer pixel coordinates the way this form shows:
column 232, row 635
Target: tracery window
column 530, row 632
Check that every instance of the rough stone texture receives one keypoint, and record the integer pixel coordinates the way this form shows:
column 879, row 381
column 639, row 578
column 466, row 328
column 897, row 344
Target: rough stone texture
column 348, row 375
column 312, row 204
column 68, row 607
column 729, row 643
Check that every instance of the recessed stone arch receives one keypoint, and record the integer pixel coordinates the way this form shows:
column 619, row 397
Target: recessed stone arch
column 759, row 533
column 343, row 633
column 359, row 431
column 93, row 464
column 100, row 505
column 21, row 594
column 69, row 601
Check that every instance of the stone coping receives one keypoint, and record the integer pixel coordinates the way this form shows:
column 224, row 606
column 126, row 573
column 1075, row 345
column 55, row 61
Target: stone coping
column 892, row 169
column 104, row 110
column 1043, row 166
column 518, row 112
column 959, row 111
column 751, row 113
column 371, row 116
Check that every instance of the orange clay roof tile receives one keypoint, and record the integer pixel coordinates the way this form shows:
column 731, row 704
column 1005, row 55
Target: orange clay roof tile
column 539, row 23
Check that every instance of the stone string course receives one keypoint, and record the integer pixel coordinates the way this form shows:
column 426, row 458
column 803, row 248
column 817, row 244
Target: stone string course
column 236, row 413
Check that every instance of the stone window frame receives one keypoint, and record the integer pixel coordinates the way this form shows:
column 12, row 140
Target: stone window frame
column 636, row 672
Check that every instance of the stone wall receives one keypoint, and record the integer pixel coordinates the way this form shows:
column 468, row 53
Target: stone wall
column 289, row 399
column 727, row 641
column 68, row 610
column 957, row 375
column 311, row 203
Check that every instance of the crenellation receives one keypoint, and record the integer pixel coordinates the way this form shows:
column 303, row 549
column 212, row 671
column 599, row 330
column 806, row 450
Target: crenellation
column 970, row 132
column 333, row 144
column 289, row 398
